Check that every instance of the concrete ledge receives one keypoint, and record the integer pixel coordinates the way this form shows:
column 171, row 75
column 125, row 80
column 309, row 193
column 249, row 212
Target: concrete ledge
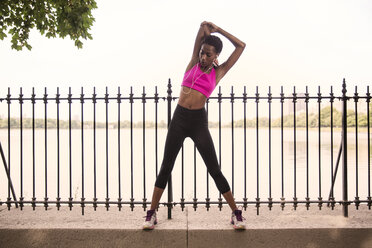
column 309, row 238
column 90, row 238
column 189, row 228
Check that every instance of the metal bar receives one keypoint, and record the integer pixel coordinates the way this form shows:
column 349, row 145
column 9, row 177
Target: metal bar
column 156, row 130
column 269, row 101
column 33, row 148
column 344, row 153
column 170, row 188
column 164, row 98
column 9, row 171
column 245, row 147
column 182, row 178
column 195, row 199
column 9, row 179
column 335, row 173
column 232, row 137
column 331, row 197
column 294, row 148
column 219, row 139
column 307, row 149
column 107, row 152
column 131, row 145
column 282, row 141
column 21, row 148
column 207, row 199
column 176, row 203
column 319, row 147
column 94, row 148
column 119, row 151
column 369, row 149
column 257, row 155
column 70, row 145
column 82, row 150
column 46, row 148
column 58, row 149
column 357, row 203
column 144, row 146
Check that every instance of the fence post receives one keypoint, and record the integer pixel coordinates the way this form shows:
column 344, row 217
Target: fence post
column 344, row 150
column 170, row 193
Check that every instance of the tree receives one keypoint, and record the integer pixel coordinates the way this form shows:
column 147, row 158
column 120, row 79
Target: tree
column 50, row 17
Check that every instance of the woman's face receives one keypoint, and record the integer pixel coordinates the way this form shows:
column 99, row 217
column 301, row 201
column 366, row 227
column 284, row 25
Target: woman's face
column 207, row 55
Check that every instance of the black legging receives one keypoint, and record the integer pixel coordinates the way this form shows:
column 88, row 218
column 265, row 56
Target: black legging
column 193, row 124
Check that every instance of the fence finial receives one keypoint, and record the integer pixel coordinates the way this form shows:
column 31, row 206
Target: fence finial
column 169, row 91
column 344, row 86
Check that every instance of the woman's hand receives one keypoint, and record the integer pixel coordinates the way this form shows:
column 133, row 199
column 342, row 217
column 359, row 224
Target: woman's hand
column 211, row 27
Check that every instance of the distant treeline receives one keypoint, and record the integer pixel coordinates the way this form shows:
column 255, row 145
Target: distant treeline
column 313, row 121
column 75, row 124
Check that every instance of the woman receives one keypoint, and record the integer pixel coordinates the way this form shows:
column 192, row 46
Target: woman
column 189, row 119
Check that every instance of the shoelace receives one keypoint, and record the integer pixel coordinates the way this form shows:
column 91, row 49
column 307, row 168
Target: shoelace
column 238, row 215
column 149, row 215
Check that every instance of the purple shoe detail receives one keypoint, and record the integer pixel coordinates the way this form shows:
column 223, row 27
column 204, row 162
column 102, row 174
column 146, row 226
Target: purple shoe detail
column 238, row 214
column 149, row 215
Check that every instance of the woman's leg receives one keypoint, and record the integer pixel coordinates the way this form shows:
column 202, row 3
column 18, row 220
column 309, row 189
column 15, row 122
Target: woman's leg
column 156, row 195
column 173, row 144
column 203, row 141
column 230, row 200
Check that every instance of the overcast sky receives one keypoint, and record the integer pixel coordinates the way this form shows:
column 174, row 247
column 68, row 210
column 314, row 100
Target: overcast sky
column 143, row 43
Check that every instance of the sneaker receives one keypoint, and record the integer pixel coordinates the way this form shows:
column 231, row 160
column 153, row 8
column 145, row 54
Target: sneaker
column 237, row 220
column 150, row 221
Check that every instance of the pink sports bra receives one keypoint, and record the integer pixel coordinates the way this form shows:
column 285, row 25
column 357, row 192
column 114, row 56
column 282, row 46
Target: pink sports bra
column 198, row 80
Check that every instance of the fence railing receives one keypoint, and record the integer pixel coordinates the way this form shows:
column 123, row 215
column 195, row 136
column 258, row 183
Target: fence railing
column 275, row 172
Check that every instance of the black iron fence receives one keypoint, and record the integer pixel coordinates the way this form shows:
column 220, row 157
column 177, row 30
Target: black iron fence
column 307, row 121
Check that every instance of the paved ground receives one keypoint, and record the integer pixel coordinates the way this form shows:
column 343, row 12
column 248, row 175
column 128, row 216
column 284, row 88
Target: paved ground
column 189, row 228
column 199, row 219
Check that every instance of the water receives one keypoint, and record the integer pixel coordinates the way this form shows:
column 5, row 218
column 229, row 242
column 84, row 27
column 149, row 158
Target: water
column 257, row 168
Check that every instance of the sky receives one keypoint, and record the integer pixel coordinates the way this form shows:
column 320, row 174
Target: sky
column 144, row 43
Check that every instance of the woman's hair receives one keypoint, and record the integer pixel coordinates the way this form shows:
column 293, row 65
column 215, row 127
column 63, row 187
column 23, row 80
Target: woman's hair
column 214, row 41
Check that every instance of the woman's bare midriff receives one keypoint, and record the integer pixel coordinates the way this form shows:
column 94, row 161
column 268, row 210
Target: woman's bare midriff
column 191, row 99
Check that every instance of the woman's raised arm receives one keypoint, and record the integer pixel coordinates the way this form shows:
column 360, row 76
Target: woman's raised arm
column 239, row 48
column 202, row 33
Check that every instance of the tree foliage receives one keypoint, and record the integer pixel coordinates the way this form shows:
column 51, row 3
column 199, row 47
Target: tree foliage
column 313, row 119
column 71, row 18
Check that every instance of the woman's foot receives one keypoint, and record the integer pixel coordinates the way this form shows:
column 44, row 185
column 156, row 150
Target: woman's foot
column 237, row 220
column 150, row 220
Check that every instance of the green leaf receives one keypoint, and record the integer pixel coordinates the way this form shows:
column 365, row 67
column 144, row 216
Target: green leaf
column 2, row 35
column 29, row 47
column 79, row 44
column 50, row 17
